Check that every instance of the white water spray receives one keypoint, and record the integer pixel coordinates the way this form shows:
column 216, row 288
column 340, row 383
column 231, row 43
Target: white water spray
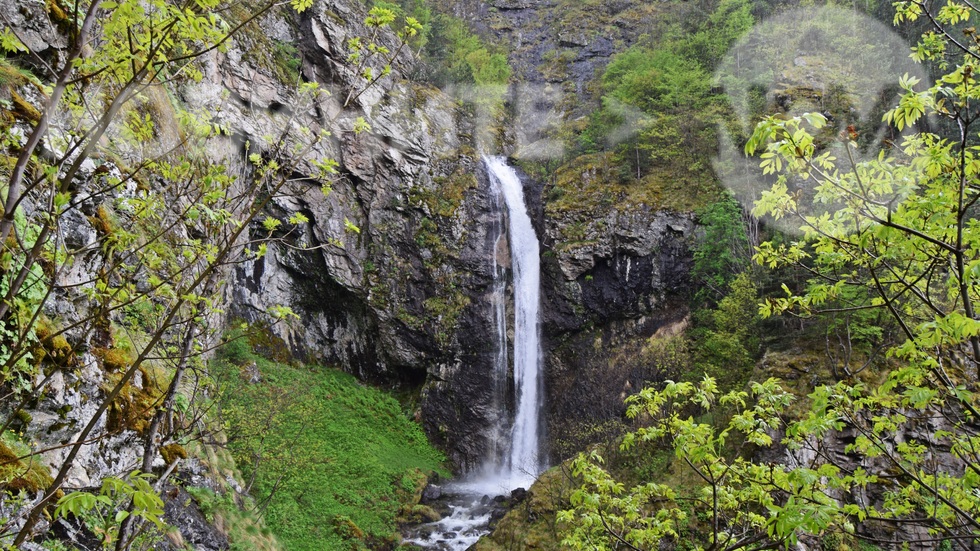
column 519, row 466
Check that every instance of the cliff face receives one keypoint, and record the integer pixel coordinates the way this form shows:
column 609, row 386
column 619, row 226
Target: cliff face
column 404, row 300
column 391, row 276
column 606, row 295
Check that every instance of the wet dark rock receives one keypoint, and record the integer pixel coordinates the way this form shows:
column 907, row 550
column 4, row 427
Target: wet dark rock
column 624, row 281
column 431, row 493
column 518, row 495
column 72, row 530
column 497, row 514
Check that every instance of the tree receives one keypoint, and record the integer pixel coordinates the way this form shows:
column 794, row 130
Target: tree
column 896, row 234
column 168, row 222
column 734, row 493
column 724, row 251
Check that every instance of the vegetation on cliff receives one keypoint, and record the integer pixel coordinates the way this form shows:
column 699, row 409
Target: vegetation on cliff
column 330, row 462
column 118, row 231
column 883, row 446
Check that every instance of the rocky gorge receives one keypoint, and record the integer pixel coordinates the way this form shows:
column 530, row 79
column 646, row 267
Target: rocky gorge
column 389, row 277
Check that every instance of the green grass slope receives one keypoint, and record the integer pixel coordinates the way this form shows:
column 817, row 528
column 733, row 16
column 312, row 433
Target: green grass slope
column 331, row 461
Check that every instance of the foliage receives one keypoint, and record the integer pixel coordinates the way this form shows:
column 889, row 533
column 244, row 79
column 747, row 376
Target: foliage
column 737, row 498
column 723, row 252
column 287, row 57
column 21, row 473
column 327, row 457
column 725, row 340
column 370, row 59
column 895, row 234
column 655, row 81
column 17, row 366
column 657, row 124
column 415, row 9
column 461, row 57
column 103, row 513
column 223, row 505
column 113, row 148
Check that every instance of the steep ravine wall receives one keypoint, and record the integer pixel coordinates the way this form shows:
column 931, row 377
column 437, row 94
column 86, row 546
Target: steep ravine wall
column 402, row 299
column 604, row 299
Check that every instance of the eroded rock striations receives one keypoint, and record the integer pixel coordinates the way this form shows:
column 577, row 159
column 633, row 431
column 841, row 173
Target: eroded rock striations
column 391, row 276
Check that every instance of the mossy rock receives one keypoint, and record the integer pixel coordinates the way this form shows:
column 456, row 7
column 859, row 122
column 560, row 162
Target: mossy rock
column 102, row 221
column 173, row 452
column 7, row 455
column 267, row 344
column 55, row 350
column 446, row 200
column 22, row 474
column 23, row 417
column 417, row 514
column 7, row 120
column 412, row 485
column 113, row 359
column 23, row 109
column 133, row 408
column 59, row 15
column 345, row 527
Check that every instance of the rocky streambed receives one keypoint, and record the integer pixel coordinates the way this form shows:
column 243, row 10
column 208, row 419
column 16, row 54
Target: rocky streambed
column 466, row 515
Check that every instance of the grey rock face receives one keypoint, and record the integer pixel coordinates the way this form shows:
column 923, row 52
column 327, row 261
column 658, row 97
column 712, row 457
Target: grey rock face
column 390, row 275
column 34, row 28
column 623, row 280
column 520, row 4
column 180, row 510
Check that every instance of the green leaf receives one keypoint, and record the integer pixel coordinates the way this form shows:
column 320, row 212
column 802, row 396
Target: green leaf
column 271, row 224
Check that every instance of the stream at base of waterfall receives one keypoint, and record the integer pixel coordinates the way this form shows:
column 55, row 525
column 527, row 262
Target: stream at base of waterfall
column 515, row 458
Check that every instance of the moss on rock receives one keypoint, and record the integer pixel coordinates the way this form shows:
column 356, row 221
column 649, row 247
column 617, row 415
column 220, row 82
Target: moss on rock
column 113, row 359
column 134, row 406
column 17, row 473
column 173, row 452
column 23, row 109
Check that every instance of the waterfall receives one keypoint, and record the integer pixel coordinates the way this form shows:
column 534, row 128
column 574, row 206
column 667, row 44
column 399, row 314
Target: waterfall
column 499, row 438
column 515, row 459
column 523, row 463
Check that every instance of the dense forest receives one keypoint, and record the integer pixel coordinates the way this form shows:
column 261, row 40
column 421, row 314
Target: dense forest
column 257, row 289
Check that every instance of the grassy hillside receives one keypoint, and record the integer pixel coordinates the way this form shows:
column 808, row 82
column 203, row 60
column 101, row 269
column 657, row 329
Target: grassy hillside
column 332, row 462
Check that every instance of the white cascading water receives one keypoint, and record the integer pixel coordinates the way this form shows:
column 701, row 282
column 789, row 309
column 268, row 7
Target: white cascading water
column 500, row 436
column 515, row 460
column 523, row 464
